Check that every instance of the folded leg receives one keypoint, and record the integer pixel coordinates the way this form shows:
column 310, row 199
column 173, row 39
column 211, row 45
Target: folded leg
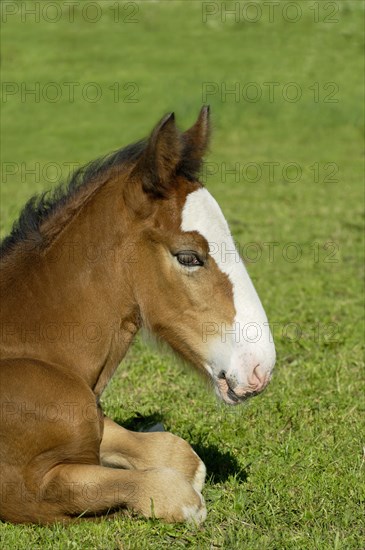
column 123, row 448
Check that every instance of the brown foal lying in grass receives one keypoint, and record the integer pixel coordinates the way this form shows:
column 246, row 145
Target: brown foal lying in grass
column 135, row 240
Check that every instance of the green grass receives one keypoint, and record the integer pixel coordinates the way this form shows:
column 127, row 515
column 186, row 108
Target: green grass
column 287, row 470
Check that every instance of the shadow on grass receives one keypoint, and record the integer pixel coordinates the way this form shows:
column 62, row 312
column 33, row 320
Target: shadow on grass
column 220, row 465
column 140, row 423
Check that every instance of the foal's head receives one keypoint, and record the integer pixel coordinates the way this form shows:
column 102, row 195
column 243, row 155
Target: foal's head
column 190, row 284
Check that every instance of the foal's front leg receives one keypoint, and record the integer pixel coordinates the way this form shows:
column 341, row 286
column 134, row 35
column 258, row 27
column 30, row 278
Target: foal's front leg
column 142, row 451
column 74, row 489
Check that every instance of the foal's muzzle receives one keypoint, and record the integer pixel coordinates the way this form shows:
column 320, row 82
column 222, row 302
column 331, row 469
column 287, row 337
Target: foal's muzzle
column 233, row 393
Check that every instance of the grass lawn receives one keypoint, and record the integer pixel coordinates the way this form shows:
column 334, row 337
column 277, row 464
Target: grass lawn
column 286, row 164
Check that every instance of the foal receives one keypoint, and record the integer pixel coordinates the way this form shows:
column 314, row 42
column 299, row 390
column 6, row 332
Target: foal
column 134, row 241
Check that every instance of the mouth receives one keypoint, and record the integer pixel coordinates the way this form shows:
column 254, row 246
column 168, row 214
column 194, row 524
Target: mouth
column 228, row 395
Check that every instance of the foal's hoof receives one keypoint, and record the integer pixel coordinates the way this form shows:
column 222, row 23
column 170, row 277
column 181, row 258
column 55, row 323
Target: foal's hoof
column 195, row 514
column 166, row 494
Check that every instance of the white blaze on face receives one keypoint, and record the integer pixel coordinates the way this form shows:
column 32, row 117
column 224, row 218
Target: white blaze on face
column 248, row 343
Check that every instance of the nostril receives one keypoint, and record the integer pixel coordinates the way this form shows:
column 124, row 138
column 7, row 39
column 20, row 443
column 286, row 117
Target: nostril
column 257, row 379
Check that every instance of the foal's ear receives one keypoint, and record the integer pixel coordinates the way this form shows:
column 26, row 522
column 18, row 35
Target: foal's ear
column 196, row 141
column 161, row 157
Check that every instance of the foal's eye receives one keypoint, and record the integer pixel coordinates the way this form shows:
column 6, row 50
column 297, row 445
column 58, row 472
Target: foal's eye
column 189, row 259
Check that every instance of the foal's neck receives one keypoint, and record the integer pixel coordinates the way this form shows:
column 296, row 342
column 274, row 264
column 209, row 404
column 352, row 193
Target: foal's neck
column 81, row 289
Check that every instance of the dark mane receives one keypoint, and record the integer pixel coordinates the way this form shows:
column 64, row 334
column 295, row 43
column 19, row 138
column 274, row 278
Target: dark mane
column 40, row 208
